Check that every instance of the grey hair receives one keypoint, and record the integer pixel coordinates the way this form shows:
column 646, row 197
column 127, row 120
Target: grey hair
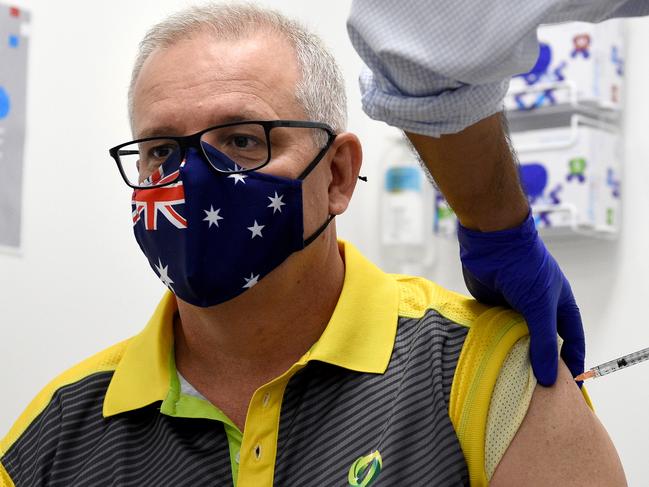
column 321, row 88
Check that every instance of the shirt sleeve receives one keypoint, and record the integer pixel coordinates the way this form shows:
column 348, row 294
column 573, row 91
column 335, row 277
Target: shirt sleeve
column 435, row 67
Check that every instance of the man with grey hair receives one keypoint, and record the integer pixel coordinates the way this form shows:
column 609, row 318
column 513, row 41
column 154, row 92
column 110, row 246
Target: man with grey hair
column 280, row 355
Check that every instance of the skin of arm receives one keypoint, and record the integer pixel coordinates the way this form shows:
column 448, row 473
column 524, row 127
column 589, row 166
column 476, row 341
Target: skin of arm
column 560, row 442
column 475, row 169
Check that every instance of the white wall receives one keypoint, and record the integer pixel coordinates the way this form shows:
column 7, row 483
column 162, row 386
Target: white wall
column 82, row 284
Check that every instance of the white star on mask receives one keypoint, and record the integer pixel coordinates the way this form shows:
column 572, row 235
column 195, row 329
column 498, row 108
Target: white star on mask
column 212, row 216
column 256, row 229
column 251, row 281
column 238, row 177
column 164, row 276
column 276, row 203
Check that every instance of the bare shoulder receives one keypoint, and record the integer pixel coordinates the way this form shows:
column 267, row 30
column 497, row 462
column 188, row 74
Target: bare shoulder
column 560, row 442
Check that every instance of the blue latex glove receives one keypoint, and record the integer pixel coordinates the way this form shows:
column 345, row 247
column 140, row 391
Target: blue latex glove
column 513, row 267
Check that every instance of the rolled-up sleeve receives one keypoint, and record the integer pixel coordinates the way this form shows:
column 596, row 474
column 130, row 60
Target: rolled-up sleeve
column 438, row 66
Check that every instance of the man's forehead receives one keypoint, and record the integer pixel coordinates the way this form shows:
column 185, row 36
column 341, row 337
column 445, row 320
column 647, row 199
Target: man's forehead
column 217, row 80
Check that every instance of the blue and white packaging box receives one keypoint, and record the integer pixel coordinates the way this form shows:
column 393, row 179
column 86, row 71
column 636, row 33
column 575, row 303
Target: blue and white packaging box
column 578, row 63
column 572, row 177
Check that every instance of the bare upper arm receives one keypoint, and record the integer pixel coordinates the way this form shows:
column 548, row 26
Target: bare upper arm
column 560, row 442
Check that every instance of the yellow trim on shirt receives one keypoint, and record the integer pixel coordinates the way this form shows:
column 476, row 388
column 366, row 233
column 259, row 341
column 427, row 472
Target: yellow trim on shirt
column 485, row 349
column 5, row 480
column 259, row 444
column 104, row 361
column 418, row 295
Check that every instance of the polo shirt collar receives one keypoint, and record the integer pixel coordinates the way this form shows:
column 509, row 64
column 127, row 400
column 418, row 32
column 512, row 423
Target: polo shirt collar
column 359, row 336
column 143, row 375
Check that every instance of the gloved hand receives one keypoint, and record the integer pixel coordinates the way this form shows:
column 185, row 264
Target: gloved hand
column 513, row 267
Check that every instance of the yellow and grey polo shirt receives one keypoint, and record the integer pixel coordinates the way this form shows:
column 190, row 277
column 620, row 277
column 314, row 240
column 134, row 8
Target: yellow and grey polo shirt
column 398, row 390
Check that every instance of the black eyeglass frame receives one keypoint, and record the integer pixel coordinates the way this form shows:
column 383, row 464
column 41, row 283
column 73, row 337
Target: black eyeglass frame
column 193, row 140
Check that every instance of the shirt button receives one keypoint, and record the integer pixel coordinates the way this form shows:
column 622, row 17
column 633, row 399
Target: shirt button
column 258, row 451
column 266, row 399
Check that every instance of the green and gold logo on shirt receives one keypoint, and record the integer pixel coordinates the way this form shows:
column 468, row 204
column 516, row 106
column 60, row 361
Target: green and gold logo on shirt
column 365, row 470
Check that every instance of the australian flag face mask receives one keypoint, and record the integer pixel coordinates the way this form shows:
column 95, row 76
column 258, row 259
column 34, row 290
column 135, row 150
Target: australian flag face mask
column 210, row 236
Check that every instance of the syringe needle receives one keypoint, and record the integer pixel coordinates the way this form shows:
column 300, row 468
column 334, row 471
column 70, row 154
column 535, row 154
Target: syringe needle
column 615, row 365
column 586, row 375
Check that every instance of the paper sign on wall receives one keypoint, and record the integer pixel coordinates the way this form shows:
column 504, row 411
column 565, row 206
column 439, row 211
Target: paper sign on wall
column 14, row 31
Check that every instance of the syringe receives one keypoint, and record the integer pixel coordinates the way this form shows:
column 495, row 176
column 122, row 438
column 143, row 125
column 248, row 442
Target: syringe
column 615, row 365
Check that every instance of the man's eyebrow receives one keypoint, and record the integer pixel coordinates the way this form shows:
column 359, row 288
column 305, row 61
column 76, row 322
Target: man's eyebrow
column 167, row 130
column 156, row 132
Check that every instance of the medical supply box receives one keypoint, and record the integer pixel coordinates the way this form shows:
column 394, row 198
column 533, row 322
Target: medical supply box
column 578, row 63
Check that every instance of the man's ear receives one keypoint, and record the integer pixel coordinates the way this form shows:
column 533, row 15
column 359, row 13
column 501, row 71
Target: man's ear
column 347, row 156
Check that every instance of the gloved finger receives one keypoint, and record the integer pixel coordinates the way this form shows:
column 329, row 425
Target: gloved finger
column 544, row 353
column 570, row 328
column 482, row 292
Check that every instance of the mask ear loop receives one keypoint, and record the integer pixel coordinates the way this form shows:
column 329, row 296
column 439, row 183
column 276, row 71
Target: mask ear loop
column 305, row 173
column 322, row 228
column 317, row 233
column 318, row 158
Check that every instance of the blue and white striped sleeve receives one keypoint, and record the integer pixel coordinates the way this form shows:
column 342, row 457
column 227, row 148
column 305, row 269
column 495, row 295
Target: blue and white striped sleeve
column 437, row 66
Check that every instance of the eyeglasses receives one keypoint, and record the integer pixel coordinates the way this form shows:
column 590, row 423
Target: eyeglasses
column 154, row 161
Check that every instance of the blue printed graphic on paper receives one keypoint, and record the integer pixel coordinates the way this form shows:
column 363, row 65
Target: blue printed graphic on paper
column 541, row 67
column 581, row 46
column 617, row 60
column 577, row 168
column 543, row 218
column 5, row 104
column 554, row 195
column 541, row 72
column 534, row 178
column 613, row 183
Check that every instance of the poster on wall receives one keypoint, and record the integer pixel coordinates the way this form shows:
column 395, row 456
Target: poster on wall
column 14, row 36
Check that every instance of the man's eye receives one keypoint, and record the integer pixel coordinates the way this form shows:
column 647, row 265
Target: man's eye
column 161, row 152
column 244, row 142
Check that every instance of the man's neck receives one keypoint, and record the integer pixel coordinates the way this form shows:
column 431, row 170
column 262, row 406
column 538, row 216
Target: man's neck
column 241, row 344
